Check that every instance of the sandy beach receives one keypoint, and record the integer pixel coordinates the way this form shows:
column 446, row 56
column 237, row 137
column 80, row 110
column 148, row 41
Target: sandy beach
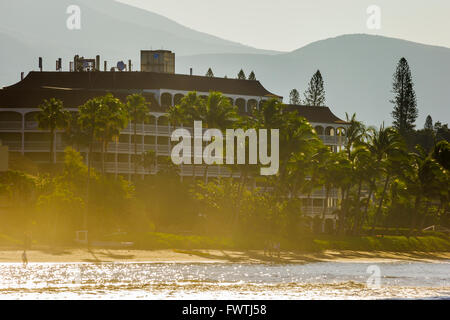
column 98, row 255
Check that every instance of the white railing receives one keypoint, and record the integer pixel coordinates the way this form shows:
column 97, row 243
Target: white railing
column 149, row 129
column 125, row 147
column 31, row 125
column 13, row 145
column 184, row 170
column 335, row 140
column 42, row 146
column 10, row 125
column 318, row 210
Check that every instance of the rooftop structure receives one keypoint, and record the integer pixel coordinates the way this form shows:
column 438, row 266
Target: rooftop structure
column 162, row 61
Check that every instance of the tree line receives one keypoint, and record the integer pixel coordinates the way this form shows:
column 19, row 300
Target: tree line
column 381, row 181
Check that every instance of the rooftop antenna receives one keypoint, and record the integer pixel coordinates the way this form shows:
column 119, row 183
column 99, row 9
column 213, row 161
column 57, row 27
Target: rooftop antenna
column 40, row 63
column 59, row 64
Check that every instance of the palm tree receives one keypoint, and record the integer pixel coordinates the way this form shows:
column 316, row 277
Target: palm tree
column 219, row 113
column 112, row 119
column 137, row 110
column 426, row 179
column 89, row 123
column 354, row 133
column 215, row 111
column 383, row 144
column 148, row 160
column 327, row 167
column 188, row 110
column 363, row 172
column 74, row 134
column 343, row 179
column 52, row 116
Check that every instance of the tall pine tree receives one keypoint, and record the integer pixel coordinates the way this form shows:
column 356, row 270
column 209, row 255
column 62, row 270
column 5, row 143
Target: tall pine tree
column 241, row 75
column 209, row 73
column 428, row 123
column 315, row 94
column 251, row 76
column 405, row 103
column 294, row 97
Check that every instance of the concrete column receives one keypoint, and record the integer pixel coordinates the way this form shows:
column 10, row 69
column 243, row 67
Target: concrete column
column 143, row 150
column 156, row 142
column 129, row 154
column 54, row 147
column 116, row 157
column 23, row 134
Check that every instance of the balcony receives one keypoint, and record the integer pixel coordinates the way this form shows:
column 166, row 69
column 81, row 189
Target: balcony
column 185, row 170
column 10, row 125
column 333, row 140
column 308, row 210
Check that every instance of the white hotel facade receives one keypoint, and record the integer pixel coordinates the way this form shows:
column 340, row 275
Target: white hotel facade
column 19, row 130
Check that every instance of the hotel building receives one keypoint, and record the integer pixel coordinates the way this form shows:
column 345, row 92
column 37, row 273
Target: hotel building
column 19, row 106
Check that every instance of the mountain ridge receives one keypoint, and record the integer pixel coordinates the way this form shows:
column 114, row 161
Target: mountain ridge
column 357, row 68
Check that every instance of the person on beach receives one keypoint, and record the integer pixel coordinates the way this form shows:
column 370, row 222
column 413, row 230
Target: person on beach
column 276, row 248
column 24, row 258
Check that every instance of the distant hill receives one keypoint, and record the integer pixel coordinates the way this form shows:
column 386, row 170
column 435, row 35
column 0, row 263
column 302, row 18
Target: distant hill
column 357, row 71
column 114, row 30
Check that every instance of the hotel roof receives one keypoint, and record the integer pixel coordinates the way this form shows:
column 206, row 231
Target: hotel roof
column 316, row 114
column 139, row 81
column 75, row 88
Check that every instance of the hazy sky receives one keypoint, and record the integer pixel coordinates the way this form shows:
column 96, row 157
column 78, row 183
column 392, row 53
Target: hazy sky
column 289, row 24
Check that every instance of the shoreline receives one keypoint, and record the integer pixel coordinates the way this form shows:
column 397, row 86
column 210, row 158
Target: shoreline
column 102, row 255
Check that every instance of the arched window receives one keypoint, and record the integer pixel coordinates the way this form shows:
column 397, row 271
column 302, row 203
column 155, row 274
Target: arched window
column 329, row 131
column 240, row 103
column 31, row 116
column 177, row 98
column 319, row 130
column 340, row 131
column 252, row 104
column 10, row 120
column 166, row 100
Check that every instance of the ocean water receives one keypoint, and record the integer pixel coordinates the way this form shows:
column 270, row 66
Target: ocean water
column 321, row 280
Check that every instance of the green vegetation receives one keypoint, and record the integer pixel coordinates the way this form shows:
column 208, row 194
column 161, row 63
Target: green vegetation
column 294, row 97
column 315, row 94
column 387, row 191
column 154, row 240
column 209, row 73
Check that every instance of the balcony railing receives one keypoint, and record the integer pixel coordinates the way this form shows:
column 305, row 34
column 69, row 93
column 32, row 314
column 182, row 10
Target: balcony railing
column 147, row 129
column 10, row 125
column 185, row 170
column 334, row 140
column 13, row 145
column 125, row 147
column 318, row 210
